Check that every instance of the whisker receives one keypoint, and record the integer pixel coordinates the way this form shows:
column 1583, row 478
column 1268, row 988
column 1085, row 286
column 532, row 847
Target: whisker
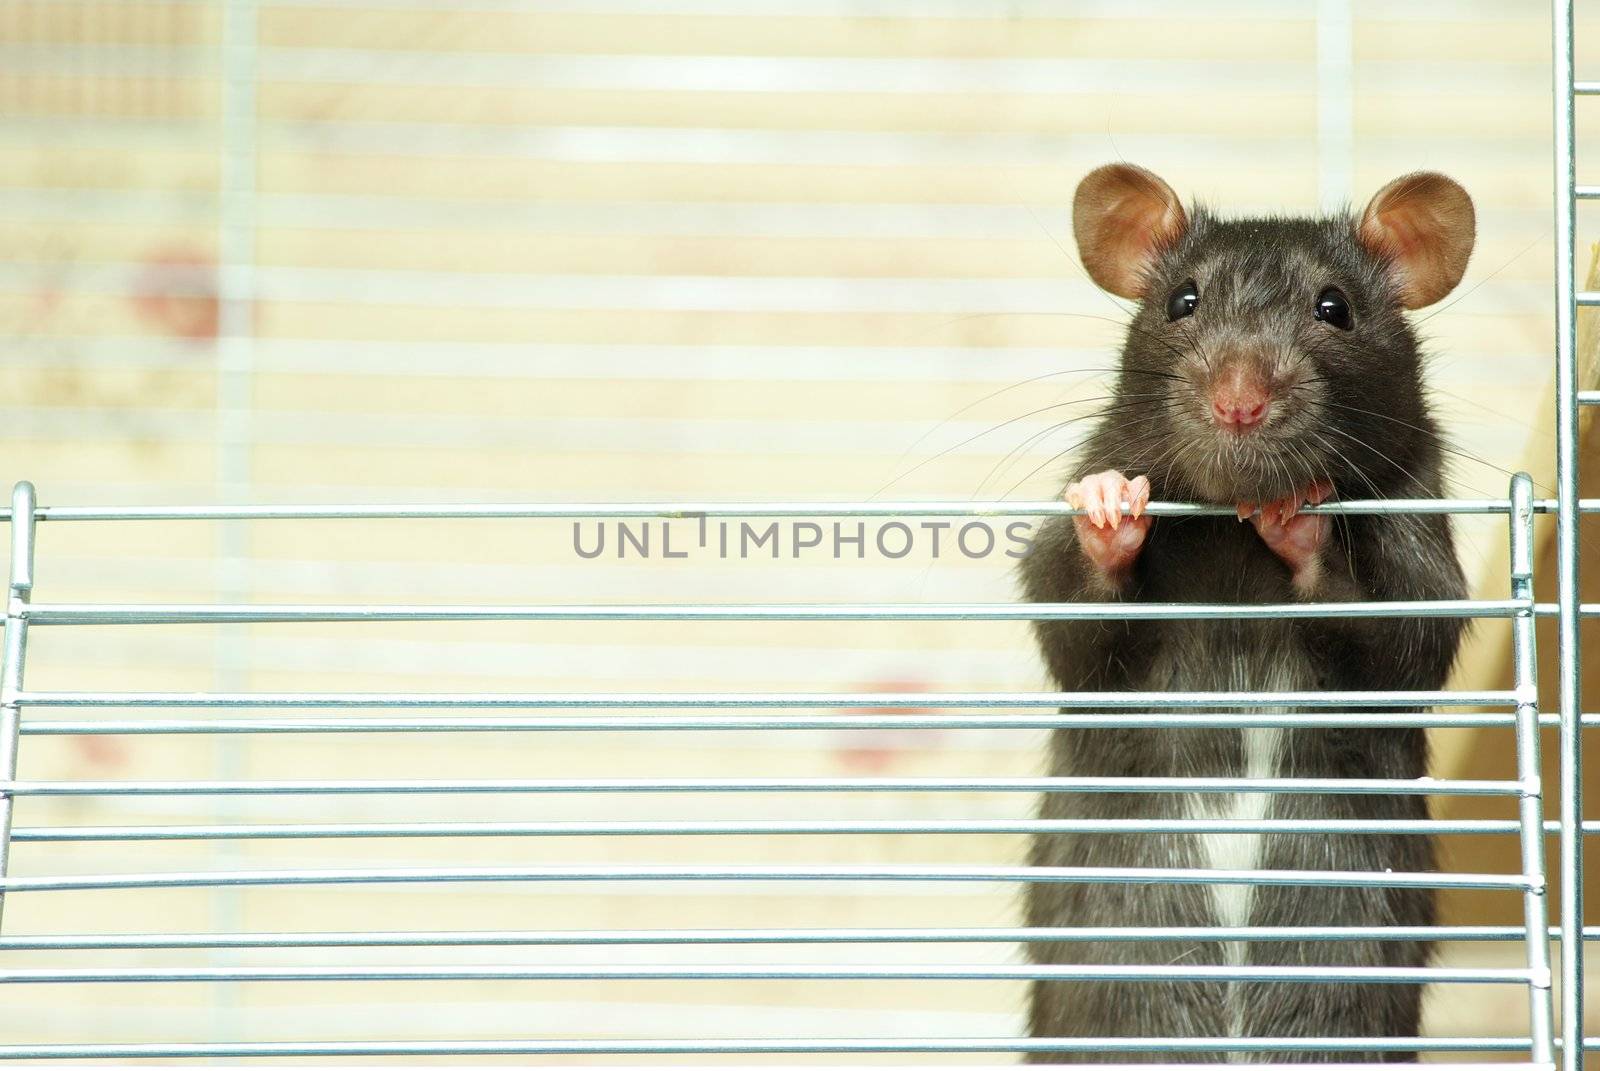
column 1021, row 448
column 1063, row 453
column 988, row 431
column 1427, row 492
column 1443, row 443
column 974, row 404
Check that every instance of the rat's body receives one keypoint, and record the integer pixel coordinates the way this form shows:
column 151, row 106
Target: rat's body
column 1232, row 392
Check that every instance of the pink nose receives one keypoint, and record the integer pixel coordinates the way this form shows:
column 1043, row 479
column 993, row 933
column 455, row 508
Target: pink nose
column 1239, row 402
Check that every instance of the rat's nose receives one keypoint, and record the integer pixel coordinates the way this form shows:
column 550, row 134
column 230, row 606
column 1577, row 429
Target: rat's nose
column 1239, row 401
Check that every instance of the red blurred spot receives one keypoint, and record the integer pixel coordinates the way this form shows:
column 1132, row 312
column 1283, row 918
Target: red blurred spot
column 176, row 291
column 46, row 300
column 101, row 752
column 876, row 750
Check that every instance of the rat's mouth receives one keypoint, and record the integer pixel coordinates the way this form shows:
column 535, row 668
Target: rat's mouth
column 1225, row 458
column 1227, row 468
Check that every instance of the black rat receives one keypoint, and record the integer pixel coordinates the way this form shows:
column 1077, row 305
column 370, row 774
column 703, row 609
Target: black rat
column 1268, row 363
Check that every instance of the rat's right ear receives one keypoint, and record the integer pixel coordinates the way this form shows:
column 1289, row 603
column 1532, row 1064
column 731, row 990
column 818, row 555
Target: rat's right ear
column 1123, row 217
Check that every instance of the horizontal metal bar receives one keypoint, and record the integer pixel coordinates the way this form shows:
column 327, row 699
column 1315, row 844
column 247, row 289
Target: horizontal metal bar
column 212, row 1050
column 887, row 873
column 799, row 1046
column 1587, row 193
column 244, row 613
column 1589, row 397
column 1425, row 786
column 1585, row 89
column 1291, row 720
column 696, row 510
column 1119, row 826
column 93, row 942
column 658, row 873
column 190, row 614
column 772, row 700
column 773, row 972
column 780, row 827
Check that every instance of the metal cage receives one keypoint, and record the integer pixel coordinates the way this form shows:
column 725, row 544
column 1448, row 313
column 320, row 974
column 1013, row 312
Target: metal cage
column 1517, row 708
column 29, row 713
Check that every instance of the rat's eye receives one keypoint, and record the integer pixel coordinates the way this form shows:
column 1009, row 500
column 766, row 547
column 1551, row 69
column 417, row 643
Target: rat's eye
column 1334, row 308
column 1182, row 301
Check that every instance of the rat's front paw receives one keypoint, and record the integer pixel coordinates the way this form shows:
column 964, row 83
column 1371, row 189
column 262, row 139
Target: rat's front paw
column 1110, row 540
column 1292, row 537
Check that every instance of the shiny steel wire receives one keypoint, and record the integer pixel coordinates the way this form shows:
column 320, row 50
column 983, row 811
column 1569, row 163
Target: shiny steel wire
column 18, row 591
column 882, row 873
column 178, row 614
column 761, row 828
column 1535, row 908
column 774, row 972
column 695, row 510
column 650, row 785
column 1568, row 517
column 797, row 936
column 1123, row 701
column 821, row 1046
column 1513, row 708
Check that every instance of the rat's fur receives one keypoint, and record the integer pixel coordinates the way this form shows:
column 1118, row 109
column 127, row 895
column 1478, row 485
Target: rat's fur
column 1351, row 410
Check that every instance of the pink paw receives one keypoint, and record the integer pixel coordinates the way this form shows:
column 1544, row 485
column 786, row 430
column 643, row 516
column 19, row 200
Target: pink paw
column 1109, row 539
column 1294, row 538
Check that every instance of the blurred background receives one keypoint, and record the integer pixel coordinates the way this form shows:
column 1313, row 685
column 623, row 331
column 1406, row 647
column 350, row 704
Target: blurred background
column 597, row 250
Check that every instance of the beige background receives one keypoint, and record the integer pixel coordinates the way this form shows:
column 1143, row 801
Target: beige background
column 622, row 250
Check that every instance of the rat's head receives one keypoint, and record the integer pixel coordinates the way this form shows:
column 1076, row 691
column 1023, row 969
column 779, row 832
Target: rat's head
column 1265, row 353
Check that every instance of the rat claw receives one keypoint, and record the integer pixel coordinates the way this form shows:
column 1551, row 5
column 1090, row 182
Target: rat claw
column 1097, row 512
column 1091, row 503
column 1245, row 509
column 1074, row 497
column 1138, row 495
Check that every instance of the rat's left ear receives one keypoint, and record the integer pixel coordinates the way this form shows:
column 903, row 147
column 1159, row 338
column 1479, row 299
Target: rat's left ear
column 1424, row 226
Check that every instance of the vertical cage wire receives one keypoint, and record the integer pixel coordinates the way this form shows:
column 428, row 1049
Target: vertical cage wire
column 1536, row 913
column 1568, row 518
column 18, row 591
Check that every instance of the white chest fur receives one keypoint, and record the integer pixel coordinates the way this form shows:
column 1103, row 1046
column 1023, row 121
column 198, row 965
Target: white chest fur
column 1239, row 851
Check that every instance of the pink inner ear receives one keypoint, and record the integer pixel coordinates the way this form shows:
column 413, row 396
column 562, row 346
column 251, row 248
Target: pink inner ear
column 1146, row 224
column 1399, row 233
column 1423, row 225
column 1394, row 233
column 1128, row 226
column 1123, row 216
